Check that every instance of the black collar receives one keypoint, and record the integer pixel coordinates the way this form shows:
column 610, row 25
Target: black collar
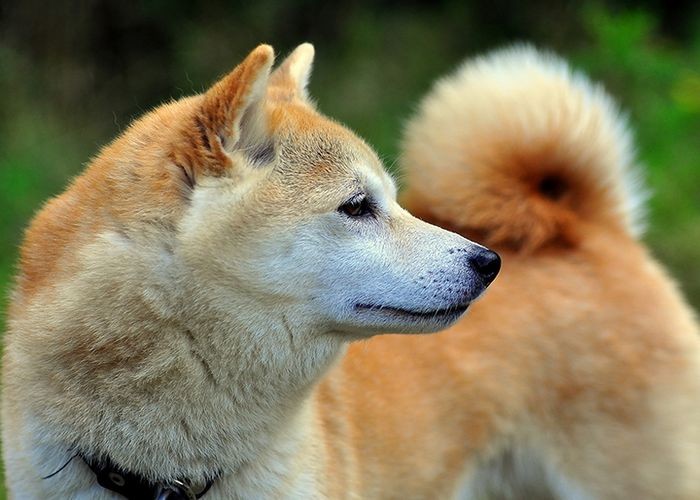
column 136, row 487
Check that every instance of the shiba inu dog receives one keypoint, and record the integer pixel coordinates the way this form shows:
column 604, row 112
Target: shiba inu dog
column 178, row 306
column 578, row 375
column 182, row 312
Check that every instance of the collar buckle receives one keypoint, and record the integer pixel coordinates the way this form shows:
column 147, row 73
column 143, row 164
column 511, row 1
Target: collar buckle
column 176, row 490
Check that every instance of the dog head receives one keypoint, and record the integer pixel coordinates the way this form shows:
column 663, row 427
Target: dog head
column 295, row 213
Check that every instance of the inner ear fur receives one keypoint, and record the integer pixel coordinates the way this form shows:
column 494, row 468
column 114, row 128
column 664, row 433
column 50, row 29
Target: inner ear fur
column 291, row 78
column 231, row 116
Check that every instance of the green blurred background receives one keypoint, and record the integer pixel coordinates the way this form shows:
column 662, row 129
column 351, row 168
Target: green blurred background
column 74, row 74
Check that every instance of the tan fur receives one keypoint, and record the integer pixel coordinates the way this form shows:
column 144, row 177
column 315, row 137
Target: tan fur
column 186, row 330
column 583, row 356
column 176, row 307
column 527, row 149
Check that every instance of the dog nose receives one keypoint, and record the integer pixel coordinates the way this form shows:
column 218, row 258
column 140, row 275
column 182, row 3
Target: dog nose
column 487, row 263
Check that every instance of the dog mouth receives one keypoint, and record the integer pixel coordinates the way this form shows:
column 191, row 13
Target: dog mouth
column 444, row 314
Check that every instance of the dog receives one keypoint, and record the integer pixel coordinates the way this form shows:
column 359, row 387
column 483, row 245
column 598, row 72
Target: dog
column 578, row 374
column 194, row 327
column 177, row 307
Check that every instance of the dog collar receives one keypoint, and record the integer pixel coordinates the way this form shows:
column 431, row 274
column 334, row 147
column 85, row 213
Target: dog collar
column 135, row 487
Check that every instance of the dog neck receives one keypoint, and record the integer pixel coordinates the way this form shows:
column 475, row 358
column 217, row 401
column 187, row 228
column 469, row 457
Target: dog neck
column 260, row 381
column 167, row 399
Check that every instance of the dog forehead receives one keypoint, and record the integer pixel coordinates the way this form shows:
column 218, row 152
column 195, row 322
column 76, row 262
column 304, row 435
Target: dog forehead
column 328, row 165
column 305, row 149
column 309, row 144
column 314, row 151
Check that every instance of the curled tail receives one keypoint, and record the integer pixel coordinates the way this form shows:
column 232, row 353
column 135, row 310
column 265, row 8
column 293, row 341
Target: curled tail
column 517, row 149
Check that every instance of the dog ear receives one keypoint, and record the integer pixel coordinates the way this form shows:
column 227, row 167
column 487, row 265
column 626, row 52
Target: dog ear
column 292, row 76
column 232, row 111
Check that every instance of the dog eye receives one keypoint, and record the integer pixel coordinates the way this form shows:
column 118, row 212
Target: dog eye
column 356, row 207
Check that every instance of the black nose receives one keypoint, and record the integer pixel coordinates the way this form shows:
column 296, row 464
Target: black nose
column 487, row 263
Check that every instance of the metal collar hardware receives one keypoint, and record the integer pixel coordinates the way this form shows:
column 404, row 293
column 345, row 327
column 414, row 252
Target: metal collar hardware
column 135, row 487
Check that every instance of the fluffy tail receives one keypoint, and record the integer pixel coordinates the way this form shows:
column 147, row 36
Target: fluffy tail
column 515, row 149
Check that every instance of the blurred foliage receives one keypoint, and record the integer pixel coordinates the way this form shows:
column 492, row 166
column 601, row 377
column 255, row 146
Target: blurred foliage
column 659, row 83
column 74, row 74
